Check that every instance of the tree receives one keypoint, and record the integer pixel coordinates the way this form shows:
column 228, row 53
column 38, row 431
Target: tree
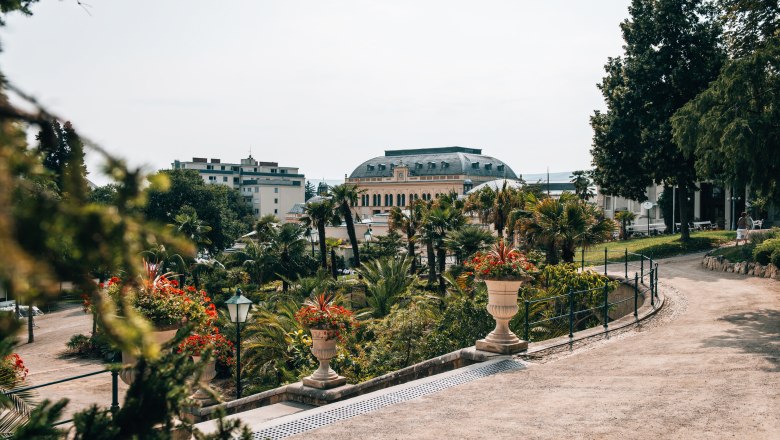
column 195, row 229
column 408, row 221
column 748, row 24
column 292, row 262
column 309, row 191
column 467, row 241
column 731, row 130
column 344, row 198
column 560, row 225
column 104, row 195
column 581, row 183
column 219, row 206
column 624, row 217
column 62, row 149
column 317, row 215
column 386, row 280
column 439, row 220
column 671, row 53
column 265, row 228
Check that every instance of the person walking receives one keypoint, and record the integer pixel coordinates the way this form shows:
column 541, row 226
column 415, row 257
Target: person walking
column 743, row 224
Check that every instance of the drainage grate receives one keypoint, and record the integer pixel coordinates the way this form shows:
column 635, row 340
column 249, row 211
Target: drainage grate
column 314, row 421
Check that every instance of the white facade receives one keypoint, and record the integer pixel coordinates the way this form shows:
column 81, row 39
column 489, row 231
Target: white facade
column 267, row 187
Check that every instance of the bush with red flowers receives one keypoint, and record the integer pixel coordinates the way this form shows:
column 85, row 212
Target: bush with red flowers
column 161, row 301
column 197, row 344
column 12, row 369
column 321, row 313
column 501, row 263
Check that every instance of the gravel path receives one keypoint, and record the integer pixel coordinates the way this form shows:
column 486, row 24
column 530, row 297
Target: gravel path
column 46, row 361
column 707, row 367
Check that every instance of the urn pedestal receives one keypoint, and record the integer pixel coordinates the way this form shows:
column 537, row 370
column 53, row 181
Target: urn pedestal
column 324, row 349
column 502, row 305
column 209, row 373
column 127, row 374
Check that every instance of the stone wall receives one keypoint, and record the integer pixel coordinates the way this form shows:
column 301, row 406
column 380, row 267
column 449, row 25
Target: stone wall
column 745, row 268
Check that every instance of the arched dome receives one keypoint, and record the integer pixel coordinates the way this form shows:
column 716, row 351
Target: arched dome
column 435, row 162
column 498, row 184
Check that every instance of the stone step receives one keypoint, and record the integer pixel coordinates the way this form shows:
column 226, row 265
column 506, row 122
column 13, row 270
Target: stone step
column 258, row 415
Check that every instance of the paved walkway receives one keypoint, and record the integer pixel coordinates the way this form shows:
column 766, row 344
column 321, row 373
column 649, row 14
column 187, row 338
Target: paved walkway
column 46, row 361
column 707, row 367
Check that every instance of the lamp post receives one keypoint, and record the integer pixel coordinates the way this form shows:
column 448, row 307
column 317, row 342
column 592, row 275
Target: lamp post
column 238, row 307
column 367, row 237
column 311, row 240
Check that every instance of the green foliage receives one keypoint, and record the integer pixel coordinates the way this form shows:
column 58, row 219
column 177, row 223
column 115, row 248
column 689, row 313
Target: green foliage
column 309, row 191
column 731, row 130
column 96, row 345
column 765, row 252
column 387, row 279
column 672, row 52
column 735, row 254
column 345, row 197
column 582, row 183
column 467, row 241
column 217, row 206
column 624, row 217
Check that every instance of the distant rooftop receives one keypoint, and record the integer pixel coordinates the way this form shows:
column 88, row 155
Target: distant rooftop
column 438, row 150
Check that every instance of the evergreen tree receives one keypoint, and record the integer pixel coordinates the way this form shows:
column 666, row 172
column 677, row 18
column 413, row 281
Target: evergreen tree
column 62, row 149
column 672, row 52
column 309, row 191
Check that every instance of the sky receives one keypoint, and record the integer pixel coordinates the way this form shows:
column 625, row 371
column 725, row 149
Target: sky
column 321, row 85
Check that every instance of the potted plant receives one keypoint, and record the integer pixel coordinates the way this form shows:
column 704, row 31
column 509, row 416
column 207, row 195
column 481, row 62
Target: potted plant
column 218, row 349
column 503, row 269
column 327, row 323
column 166, row 306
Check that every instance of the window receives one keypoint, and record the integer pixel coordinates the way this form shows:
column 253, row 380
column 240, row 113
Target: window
column 235, row 180
column 282, row 171
column 475, row 165
column 445, row 164
column 370, row 167
column 500, row 167
column 209, row 167
column 255, row 169
column 212, row 178
column 257, row 211
column 224, row 178
column 273, row 170
column 276, row 190
column 488, row 166
column 276, row 211
column 431, row 165
column 222, row 167
column 234, row 168
column 276, row 200
column 257, row 189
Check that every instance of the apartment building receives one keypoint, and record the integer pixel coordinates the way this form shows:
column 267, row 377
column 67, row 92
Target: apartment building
column 266, row 186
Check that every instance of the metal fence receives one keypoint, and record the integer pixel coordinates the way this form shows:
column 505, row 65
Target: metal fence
column 644, row 282
column 114, row 388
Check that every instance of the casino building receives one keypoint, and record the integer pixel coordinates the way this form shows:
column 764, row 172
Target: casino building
column 401, row 176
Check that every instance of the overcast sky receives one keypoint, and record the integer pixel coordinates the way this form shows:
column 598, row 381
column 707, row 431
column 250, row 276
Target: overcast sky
column 321, row 84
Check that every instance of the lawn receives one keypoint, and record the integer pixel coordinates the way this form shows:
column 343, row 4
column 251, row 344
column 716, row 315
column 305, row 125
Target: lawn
column 659, row 246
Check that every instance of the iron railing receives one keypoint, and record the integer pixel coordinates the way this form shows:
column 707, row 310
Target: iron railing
column 114, row 388
column 644, row 282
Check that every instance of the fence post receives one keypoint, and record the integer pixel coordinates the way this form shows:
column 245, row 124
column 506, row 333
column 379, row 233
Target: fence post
column 605, row 261
column 626, row 263
column 636, row 294
column 526, row 322
column 114, row 391
column 642, row 268
column 571, row 312
column 656, row 280
column 582, row 253
column 606, row 304
column 652, row 295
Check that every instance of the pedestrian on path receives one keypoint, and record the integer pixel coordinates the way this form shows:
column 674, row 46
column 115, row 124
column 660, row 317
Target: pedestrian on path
column 743, row 224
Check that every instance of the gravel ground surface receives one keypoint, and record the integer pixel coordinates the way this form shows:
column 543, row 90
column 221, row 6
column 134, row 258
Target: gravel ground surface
column 46, row 360
column 705, row 367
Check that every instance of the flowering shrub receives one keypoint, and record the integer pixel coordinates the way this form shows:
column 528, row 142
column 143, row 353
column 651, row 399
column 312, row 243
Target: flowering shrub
column 161, row 301
column 196, row 344
column 12, row 369
column 321, row 314
column 501, row 263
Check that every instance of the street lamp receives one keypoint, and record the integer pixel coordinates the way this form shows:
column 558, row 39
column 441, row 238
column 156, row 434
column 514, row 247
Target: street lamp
column 367, row 237
column 311, row 239
column 238, row 307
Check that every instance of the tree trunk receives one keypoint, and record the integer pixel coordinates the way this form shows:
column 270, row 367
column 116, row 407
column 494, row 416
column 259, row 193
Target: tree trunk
column 333, row 264
column 30, row 324
column 685, row 232
column 323, row 247
column 410, row 253
column 347, row 213
column 552, row 254
column 431, row 262
column 441, row 257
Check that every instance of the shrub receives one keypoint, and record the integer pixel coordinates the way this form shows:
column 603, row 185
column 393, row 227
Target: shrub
column 776, row 258
column 762, row 254
column 758, row 237
column 94, row 346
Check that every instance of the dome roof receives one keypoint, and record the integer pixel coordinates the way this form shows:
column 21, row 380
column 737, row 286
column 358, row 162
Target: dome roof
column 435, row 161
column 497, row 184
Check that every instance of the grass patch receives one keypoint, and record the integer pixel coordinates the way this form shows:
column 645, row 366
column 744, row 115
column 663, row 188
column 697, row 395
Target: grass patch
column 660, row 246
column 736, row 254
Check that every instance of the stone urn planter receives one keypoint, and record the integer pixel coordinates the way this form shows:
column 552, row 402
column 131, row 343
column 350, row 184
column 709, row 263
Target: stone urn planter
column 209, row 373
column 127, row 374
column 502, row 305
column 324, row 349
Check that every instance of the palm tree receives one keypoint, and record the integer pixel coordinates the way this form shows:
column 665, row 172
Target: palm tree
column 344, row 198
column 291, row 246
column 409, row 222
column 265, row 228
column 581, row 181
column 467, row 241
column 440, row 220
column 257, row 261
column 507, row 199
column 317, row 215
column 386, row 280
column 481, row 202
column 189, row 225
column 560, row 225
